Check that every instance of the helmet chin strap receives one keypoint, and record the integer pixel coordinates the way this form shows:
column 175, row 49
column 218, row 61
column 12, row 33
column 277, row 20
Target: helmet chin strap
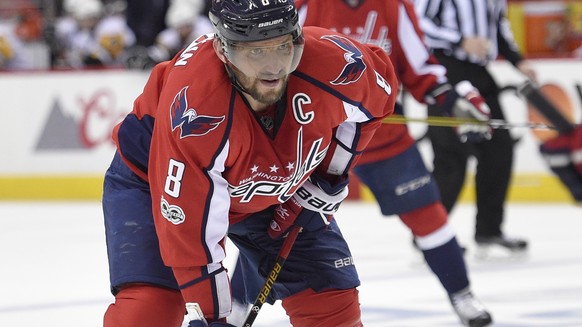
column 228, row 65
column 233, row 79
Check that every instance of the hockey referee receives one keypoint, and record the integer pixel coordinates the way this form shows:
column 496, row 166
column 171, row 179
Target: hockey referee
column 465, row 35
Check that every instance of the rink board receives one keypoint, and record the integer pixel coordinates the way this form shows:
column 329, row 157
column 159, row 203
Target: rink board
column 59, row 125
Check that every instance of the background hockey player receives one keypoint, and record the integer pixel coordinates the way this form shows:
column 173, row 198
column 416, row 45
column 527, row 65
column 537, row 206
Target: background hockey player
column 224, row 139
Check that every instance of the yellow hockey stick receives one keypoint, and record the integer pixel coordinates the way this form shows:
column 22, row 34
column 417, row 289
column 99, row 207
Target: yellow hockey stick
column 454, row 122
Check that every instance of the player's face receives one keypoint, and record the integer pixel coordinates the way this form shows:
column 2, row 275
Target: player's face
column 262, row 68
column 264, row 91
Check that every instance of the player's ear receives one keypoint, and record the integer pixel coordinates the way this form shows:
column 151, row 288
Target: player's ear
column 217, row 44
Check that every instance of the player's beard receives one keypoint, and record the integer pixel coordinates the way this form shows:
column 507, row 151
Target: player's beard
column 253, row 86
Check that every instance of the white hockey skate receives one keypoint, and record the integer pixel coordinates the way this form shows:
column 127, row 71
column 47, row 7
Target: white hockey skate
column 469, row 309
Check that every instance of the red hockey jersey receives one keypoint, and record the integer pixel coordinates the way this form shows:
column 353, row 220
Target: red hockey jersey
column 392, row 25
column 210, row 162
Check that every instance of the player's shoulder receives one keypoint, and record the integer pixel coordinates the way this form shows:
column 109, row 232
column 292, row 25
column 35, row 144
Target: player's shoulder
column 198, row 62
column 327, row 53
column 345, row 68
column 198, row 75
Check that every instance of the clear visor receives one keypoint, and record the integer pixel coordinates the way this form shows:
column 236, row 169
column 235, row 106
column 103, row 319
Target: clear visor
column 264, row 59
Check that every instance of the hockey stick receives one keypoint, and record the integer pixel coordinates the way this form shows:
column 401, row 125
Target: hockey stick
column 455, row 122
column 272, row 277
column 545, row 107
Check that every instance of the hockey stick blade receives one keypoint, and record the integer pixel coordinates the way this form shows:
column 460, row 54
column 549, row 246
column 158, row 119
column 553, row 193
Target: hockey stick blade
column 455, row 122
column 272, row 277
column 545, row 107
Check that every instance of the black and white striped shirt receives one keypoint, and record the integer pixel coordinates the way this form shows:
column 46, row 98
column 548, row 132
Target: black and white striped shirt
column 446, row 22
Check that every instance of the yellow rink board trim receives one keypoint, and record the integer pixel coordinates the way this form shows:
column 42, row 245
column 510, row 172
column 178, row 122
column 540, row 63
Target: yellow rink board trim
column 82, row 187
column 524, row 188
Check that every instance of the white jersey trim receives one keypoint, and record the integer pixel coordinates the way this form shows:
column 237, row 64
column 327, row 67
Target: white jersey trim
column 217, row 226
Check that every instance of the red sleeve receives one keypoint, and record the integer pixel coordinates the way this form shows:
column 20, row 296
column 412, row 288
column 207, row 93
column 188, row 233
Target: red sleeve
column 190, row 200
column 190, row 203
column 417, row 69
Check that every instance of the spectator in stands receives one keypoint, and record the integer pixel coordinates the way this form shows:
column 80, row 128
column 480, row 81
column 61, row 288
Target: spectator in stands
column 146, row 19
column 88, row 38
column 10, row 46
column 185, row 23
column 21, row 45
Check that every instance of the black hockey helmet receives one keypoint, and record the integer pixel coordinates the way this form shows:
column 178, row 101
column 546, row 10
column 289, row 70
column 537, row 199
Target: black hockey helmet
column 254, row 20
column 247, row 28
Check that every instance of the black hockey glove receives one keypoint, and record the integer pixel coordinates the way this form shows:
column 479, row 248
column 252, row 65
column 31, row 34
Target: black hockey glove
column 463, row 102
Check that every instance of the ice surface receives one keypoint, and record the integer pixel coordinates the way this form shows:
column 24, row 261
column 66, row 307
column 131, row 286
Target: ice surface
column 53, row 268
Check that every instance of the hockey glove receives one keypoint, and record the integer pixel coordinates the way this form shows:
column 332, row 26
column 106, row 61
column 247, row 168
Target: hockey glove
column 464, row 102
column 559, row 155
column 310, row 208
column 196, row 318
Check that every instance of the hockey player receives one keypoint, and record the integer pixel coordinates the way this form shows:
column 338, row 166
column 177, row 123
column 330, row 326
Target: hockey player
column 392, row 166
column 244, row 133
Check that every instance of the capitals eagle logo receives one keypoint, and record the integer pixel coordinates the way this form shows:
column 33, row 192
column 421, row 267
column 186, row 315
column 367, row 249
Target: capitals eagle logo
column 190, row 123
column 355, row 67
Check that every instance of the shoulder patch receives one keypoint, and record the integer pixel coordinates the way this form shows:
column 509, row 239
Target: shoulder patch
column 355, row 67
column 188, row 120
